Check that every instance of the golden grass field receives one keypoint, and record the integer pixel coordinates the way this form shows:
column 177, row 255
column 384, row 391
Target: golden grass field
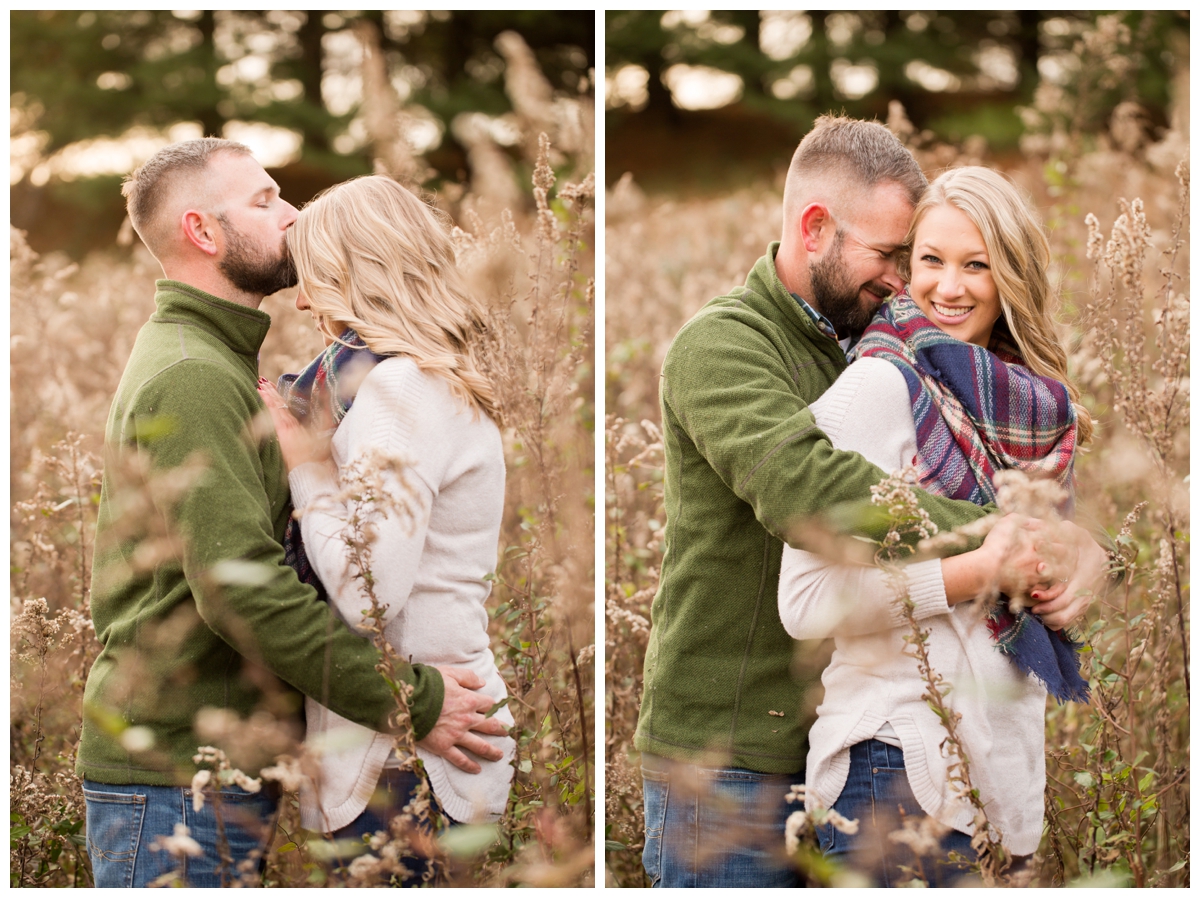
column 72, row 330
column 1117, row 802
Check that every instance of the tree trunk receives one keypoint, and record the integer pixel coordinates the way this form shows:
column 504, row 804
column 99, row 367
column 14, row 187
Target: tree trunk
column 211, row 120
column 310, row 72
column 1028, row 51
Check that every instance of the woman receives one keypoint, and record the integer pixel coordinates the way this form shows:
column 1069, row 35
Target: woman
column 399, row 379
column 926, row 391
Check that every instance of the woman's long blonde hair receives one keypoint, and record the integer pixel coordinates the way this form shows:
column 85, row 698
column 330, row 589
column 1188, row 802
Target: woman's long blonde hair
column 1019, row 258
column 372, row 256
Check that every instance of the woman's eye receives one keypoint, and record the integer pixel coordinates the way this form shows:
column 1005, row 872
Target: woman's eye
column 977, row 266
column 932, row 260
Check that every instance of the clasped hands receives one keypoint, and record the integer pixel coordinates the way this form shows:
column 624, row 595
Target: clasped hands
column 1054, row 568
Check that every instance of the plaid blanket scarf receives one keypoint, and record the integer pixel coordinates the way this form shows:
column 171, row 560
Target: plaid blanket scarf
column 322, row 394
column 978, row 411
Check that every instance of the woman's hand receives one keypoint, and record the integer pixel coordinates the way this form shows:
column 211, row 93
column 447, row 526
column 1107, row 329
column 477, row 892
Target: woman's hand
column 299, row 444
column 1030, row 555
column 1070, row 597
column 1013, row 560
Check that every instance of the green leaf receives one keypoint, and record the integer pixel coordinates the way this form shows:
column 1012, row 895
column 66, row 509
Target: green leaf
column 525, row 766
column 469, row 841
column 237, row 572
column 286, row 847
column 496, row 707
column 329, row 852
column 610, row 845
column 155, row 428
column 1085, row 779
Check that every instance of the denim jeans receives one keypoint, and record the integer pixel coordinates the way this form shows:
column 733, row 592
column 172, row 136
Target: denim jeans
column 711, row 827
column 877, row 794
column 395, row 790
column 123, row 822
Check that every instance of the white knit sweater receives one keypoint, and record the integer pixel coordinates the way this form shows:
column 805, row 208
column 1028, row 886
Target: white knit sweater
column 429, row 574
column 870, row 683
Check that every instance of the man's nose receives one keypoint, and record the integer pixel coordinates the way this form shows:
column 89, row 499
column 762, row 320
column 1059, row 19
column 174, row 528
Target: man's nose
column 891, row 278
column 289, row 215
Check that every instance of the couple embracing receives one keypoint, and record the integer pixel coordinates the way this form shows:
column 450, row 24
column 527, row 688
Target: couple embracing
column 939, row 295
column 258, row 612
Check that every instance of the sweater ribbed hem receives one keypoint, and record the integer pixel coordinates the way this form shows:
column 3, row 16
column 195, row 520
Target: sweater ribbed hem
column 342, row 813
column 926, row 589
column 309, row 481
column 486, row 805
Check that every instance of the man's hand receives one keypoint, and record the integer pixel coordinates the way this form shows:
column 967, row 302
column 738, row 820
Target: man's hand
column 1062, row 604
column 462, row 720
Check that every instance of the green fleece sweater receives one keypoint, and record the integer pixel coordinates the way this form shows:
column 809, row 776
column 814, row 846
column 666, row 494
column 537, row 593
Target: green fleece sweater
column 744, row 464
column 214, row 617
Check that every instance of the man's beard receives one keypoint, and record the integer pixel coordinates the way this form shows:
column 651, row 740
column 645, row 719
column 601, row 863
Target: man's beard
column 249, row 269
column 836, row 296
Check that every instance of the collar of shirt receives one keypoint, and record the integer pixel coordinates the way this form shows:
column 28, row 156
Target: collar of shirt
column 826, row 327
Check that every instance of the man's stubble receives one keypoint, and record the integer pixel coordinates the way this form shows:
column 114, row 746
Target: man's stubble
column 836, row 295
column 250, row 269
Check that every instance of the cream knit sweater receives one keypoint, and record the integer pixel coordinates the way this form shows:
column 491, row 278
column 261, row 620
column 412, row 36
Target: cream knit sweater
column 870, row 683
column 429, row 574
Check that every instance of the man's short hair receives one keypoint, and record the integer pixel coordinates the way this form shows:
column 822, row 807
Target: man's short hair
column 145, row 189
column 852, row 153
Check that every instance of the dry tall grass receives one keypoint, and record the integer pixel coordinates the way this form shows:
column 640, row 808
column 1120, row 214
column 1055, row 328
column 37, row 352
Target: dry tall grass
column 1117, row 802
column 72, row 330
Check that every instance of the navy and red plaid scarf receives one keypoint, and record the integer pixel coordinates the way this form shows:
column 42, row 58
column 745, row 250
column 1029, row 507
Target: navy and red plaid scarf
column 978, row 411
column 319, row 395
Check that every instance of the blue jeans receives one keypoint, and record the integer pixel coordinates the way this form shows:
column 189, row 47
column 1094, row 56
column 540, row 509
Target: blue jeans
column 395, row 790
column 877, row 794
column 123, row 822
column 712, row 827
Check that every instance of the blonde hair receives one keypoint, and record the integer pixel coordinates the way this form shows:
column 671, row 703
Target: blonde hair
column 1019, row 258
column 372, row 256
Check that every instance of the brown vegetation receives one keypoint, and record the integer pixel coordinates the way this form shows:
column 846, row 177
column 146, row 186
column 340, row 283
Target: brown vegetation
column 1117, row 803
column 72, row 330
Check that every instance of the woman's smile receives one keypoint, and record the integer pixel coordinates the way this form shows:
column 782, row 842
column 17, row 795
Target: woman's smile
column 948, row 312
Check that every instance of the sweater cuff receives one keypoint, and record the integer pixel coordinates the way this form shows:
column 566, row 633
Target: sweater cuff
column 428, row 693
column 926, row 589
column 310, row 480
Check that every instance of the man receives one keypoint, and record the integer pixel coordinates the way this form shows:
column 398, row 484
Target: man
column 200, row 619
column 722, row 727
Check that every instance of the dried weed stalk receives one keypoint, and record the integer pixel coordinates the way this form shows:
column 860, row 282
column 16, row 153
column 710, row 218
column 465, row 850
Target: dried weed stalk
column 897, row 494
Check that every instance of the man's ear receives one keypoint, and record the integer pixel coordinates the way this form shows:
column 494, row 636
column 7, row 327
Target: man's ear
column 815, row 223
column 200, row 231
